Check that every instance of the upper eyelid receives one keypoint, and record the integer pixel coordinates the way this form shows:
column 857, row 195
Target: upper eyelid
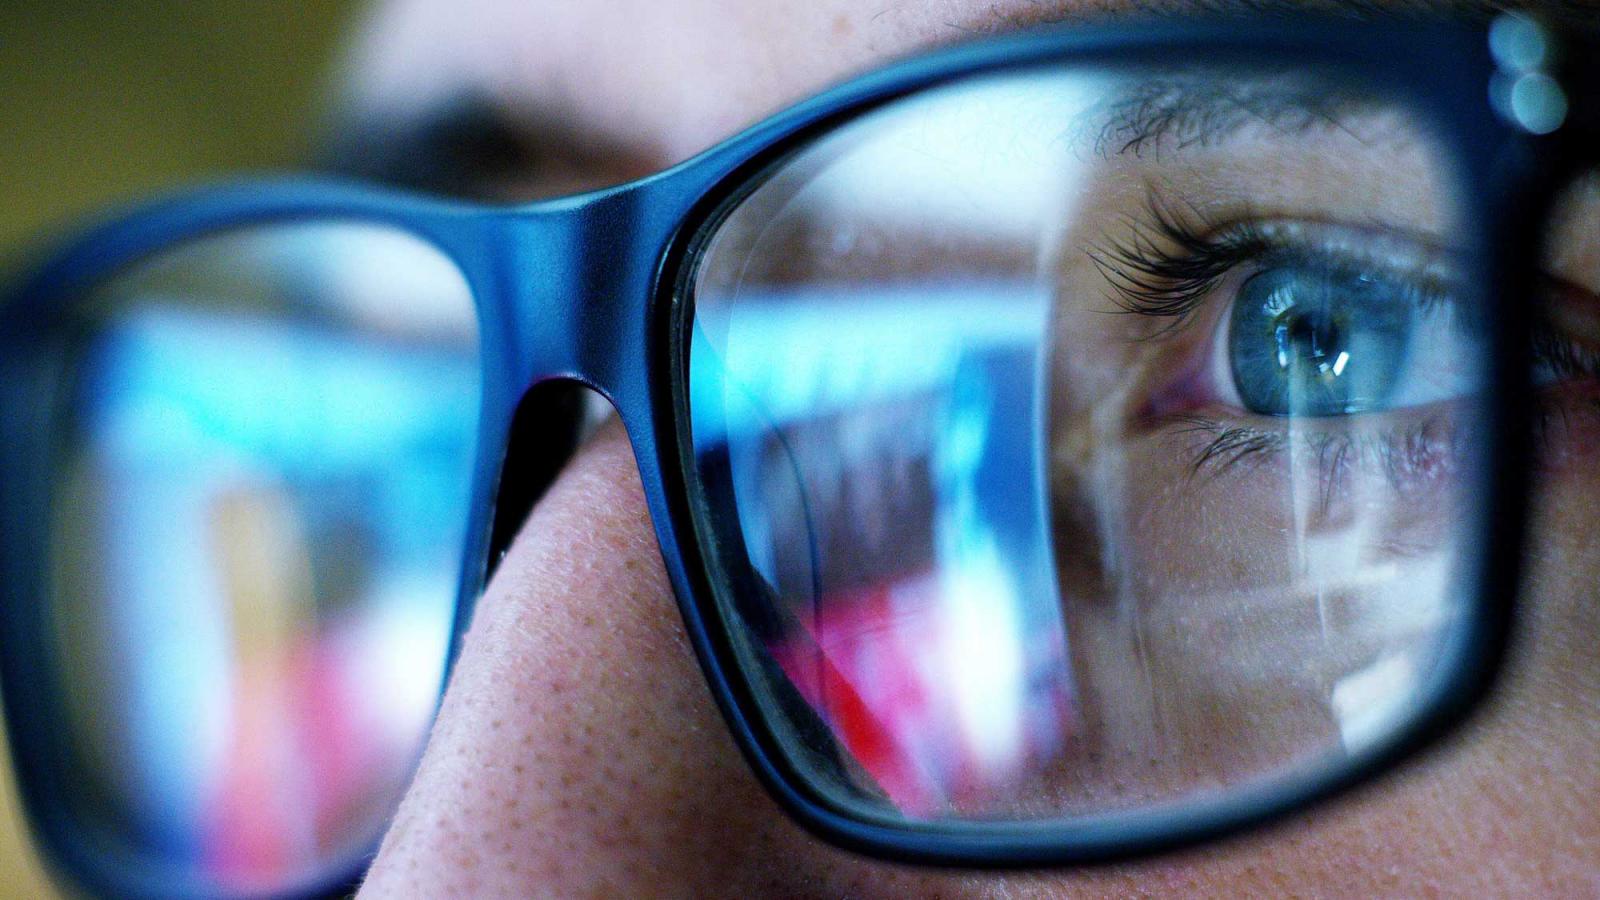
column 1170, row 262
column 1168, row 267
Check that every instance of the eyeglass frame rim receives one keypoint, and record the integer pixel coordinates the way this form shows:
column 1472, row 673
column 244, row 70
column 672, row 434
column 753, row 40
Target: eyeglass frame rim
column 627, row 327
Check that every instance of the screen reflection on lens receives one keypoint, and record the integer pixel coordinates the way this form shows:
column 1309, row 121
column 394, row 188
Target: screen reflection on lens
column 260, row 513
column 1087, row 441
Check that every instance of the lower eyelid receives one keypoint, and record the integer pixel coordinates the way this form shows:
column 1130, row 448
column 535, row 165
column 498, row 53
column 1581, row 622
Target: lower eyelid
column 1411, row 450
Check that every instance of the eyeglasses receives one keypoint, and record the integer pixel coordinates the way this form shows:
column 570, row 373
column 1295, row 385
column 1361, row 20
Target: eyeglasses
column 1062, row 447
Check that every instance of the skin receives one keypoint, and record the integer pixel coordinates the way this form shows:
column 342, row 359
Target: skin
column 578, row 752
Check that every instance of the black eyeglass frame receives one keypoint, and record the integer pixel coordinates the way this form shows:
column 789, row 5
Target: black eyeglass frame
column 595, row 289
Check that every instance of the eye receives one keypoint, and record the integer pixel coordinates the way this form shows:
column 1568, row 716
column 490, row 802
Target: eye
column 1318, row 338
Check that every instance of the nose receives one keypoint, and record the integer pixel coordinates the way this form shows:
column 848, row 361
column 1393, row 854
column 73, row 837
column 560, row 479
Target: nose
column 577, row 751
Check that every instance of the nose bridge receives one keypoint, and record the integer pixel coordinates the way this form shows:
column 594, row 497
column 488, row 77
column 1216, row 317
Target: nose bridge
column 581, row 276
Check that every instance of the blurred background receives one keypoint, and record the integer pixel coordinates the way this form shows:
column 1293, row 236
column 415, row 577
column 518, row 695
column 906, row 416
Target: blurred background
column 106, row 103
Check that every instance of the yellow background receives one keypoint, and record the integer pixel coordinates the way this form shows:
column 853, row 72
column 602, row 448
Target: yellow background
column 102, row 102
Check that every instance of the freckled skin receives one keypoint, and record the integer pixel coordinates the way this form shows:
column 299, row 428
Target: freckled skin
column 578, row 752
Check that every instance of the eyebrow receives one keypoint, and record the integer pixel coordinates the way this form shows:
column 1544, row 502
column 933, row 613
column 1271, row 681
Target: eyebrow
column 1198, row 109
column 471, row 148
column 457, row 148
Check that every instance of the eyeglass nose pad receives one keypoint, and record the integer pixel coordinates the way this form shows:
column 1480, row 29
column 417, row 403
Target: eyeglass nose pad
column 551, row 420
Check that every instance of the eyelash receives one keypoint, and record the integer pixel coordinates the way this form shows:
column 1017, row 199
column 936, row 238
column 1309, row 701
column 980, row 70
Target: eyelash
column 1168, row 267
column 1420, row 449
column 1565, row 358
column 1171, row 265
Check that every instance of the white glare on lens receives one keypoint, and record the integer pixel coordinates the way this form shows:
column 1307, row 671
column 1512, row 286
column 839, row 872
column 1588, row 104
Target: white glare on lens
column 1518, row 43
column 1370, row 703
column 963, row 160
column 397, row 650
column 983, row 657
column 1538, row 103
column 387, row 280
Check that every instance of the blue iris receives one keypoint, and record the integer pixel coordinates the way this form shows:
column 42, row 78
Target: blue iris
column 1309, row 340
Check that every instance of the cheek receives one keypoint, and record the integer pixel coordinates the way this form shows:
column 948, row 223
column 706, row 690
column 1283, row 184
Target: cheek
column 1161, row 626
column 1244, row 617
column 1560, row 599
column 1508, row 806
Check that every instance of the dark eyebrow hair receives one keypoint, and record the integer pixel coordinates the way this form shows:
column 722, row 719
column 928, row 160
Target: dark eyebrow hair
column 1194, row 109
column 457, row 148
column 472, row 148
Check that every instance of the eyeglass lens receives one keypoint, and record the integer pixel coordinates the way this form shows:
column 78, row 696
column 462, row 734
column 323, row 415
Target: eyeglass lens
column 260, row 498
column 1092, row 440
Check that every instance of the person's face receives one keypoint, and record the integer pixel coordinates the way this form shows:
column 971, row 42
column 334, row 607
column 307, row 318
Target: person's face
column 577, row 751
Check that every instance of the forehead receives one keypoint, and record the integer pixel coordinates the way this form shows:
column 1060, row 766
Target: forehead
column 661, row 77
column 654, row 81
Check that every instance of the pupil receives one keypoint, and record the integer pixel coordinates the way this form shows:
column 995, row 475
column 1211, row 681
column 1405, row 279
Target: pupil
column 1314, row 340
column 1310, row 341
